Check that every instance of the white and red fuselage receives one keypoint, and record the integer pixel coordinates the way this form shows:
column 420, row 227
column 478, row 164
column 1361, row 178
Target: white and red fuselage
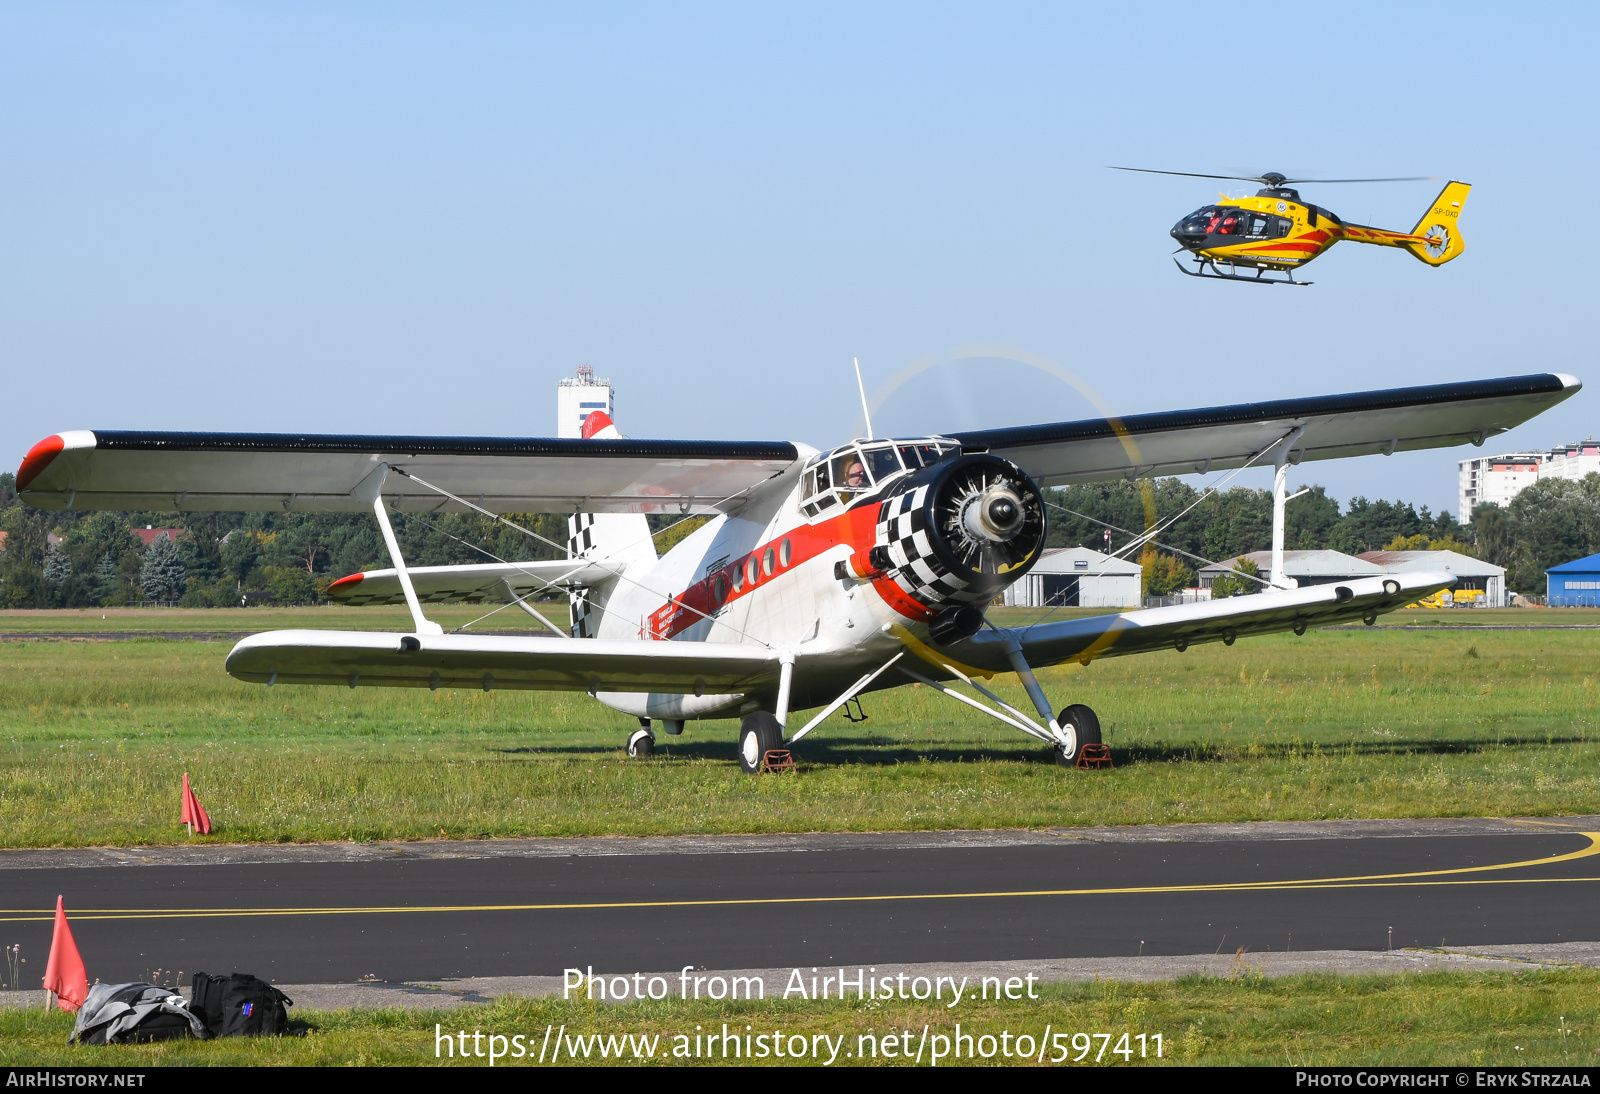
column 872, row 546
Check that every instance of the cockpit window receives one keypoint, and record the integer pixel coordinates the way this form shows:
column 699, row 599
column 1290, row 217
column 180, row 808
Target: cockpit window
column 882, row 463
column 847, row 473
column 849, row 470
column 919, row 455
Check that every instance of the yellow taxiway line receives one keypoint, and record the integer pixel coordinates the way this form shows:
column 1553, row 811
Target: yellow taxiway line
column 1417, row 878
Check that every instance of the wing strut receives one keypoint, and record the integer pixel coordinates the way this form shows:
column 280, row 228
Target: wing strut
column 1016, row 719
column 850, row 693
column 522, row 602
column 1280, row 487
column 1030, row 683
column 370, row 491
column 785, row 679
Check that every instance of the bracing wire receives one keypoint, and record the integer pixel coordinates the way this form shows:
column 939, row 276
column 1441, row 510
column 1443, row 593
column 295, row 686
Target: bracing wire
column 600, row 565
column 1148, row 536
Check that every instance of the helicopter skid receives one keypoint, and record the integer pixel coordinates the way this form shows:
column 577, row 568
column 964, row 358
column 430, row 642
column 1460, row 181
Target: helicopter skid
column 1210, row 270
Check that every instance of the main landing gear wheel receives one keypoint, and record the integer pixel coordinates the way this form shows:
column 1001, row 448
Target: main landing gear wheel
column 1082, row 727
column 759, row 734
column 642, row 744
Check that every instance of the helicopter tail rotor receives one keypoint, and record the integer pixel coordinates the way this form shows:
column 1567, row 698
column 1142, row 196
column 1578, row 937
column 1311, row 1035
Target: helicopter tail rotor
column 1440, row 226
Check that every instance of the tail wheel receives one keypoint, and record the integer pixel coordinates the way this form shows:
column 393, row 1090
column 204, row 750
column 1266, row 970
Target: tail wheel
column 1082, row 726
column 642, row 744
column 759, row 734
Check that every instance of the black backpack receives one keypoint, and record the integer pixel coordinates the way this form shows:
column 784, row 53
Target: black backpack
column 239, row 1005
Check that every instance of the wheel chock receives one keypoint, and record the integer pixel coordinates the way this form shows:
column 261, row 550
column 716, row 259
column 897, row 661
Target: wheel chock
column 777, row 760
column 1094, row 756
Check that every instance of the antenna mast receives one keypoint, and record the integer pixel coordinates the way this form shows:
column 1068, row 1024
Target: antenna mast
column 865, row 413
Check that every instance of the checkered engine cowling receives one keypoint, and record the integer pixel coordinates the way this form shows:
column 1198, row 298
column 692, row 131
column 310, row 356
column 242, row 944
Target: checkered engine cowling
column 921, row 545
column 903, row 530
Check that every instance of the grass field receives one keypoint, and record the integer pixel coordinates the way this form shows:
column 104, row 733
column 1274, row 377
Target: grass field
column 1449, row 1019
column 1358, row 722
column 396, row 618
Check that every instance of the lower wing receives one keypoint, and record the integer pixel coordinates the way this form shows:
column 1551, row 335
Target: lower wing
column 1185, row 625
column 483, row 661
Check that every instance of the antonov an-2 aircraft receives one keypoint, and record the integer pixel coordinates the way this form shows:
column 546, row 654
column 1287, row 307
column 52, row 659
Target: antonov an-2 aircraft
column 820, row 576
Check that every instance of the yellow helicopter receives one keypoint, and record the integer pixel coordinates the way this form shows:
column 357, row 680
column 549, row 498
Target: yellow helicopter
column 1278, row 231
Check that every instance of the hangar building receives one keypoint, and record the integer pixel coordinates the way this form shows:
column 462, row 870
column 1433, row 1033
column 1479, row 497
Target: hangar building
column 1476, row 580
column 1574, row 584
column 1305, row 567
column 1077, row 577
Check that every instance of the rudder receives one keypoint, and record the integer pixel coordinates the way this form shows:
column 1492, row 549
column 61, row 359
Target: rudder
column 619, row 537
column 1440, row 226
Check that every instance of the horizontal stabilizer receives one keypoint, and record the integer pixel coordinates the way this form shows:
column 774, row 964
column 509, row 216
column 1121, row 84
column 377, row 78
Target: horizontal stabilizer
column 487, row 581
column 1187, row 625
column 366, row 658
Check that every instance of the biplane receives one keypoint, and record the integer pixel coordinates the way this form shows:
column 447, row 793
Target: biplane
column 820, row 575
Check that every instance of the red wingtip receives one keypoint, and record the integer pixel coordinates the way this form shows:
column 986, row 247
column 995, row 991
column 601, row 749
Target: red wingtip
column 595, row 422
column 38, row 458
column 344, row 584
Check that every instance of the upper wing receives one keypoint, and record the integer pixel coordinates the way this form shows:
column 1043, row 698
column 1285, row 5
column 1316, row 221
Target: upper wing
column 472, row 582
column 1186, row 625
column 83, row 469
column 1186, row 441
column 487, row 661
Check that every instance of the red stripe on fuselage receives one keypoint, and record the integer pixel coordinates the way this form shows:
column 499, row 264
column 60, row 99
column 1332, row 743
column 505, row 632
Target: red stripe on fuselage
column 857, row 528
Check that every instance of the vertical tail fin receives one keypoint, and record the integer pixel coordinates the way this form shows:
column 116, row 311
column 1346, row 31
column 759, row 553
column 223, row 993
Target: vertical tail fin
column 616, row 537
column 1440, row 226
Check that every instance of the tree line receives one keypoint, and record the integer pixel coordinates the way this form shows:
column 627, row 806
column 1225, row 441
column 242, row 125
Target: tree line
column 225, row 559
column 1551, row 522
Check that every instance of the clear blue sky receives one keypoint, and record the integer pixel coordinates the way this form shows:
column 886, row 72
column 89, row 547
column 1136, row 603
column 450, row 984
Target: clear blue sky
column 415, row 218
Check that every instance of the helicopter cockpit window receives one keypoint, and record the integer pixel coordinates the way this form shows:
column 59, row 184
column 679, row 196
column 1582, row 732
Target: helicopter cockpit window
column 1227, row 220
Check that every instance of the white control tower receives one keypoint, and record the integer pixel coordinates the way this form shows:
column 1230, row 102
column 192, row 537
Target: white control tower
column 577, row 396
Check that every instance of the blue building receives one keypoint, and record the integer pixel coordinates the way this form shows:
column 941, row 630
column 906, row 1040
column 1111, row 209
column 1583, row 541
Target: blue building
column 1574, row 584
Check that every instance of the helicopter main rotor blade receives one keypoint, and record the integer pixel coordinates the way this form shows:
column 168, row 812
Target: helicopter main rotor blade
column 1188, row 174
column 1265, row 181
column 1407, row 178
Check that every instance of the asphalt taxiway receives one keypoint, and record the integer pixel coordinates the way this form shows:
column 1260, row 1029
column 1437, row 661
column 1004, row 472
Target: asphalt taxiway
column 485, row 911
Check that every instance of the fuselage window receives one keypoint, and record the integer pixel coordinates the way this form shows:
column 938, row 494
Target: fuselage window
column 738, row 578
column 751, row 570
column 783, row 553
column 719, row 591
column 766, row 562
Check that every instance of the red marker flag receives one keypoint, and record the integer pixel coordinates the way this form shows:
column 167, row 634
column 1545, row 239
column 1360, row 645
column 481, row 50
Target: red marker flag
column 64, row 973
column 193, row 814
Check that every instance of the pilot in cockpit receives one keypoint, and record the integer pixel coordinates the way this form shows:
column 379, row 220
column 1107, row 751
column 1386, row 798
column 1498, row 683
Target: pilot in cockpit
column 855, row 476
